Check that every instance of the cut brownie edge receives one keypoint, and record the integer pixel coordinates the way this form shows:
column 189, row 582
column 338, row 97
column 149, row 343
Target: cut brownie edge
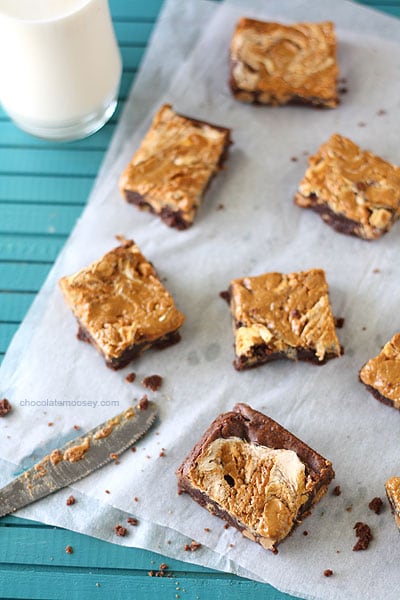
column 170, row 217
column 132, row 351
column 337, row 221
column 378, row 396
column 263, row 355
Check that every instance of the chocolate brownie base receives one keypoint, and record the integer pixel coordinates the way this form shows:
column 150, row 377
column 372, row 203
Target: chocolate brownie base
column 378, row 396
column 339, row 222
column 170, row 217
column 256, row 428
column 263, row 354
column 133, row 351
column 253, row 97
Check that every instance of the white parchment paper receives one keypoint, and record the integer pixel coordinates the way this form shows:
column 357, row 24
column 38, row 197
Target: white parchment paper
column 258, row 230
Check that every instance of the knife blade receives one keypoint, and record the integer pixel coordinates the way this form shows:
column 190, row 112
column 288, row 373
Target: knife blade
column 78, row 458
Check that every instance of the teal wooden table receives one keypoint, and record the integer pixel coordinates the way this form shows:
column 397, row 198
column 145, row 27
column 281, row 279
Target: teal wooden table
column 43, row 188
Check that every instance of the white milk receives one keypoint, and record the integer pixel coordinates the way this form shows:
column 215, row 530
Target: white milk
column 60, row 65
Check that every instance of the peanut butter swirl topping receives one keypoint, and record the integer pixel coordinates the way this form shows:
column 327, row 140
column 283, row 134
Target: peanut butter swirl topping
column 175, row 161
column 120, row 301
column 280, row 63
column 261, row 487
column 383, row 371
column 354, row 183
column 285, row 312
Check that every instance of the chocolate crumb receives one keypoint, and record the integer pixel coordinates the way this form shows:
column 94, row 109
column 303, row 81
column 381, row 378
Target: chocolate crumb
column 294, row 158
column 151, row 574
column 328, row 572
column 69, row 549
column 376, row 505
column 121, row 531
column 220, row 206
column 305, row 532
column 349, row 508
column 5, row 407
column 376, row 270
column 143, row 403
column 136, row 499
column 162, row 453
column 192, row 547
column 207, row 529
column 225, row 295
column 343, row 90
column 133, row 449
column 361, row 124
column 364, row 329
column 381, row 112
column 50, row 424
column 132, row 521
column 152, row 382
column 130, row 378
column 114, row 456
column 163, row 566
column 363, row 532
column 226, row 526
column 339, row 322
column 107, row 491
column 76, row 427
column 336, row 490
column 70, row 500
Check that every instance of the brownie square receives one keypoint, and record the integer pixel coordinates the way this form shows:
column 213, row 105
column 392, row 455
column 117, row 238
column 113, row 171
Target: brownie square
column 282, row 316
column 279, row 64
column 353, row 190
column 121, row 306
column 381, row 374
column 171, row 170
column 254, row 474
column 392, row 487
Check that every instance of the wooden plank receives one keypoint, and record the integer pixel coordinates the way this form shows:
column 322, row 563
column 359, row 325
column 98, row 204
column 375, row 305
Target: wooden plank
column 14, row 306
column 27, row 218
column 135, row 11
column 131, row 57
column 26, row 247
column 129, row 32
column 50, row 162
column 7, row 331
column 56, row 190
column 22, row 277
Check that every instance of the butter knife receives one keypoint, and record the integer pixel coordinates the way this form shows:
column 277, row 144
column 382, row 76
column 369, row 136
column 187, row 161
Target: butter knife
column 78, row 458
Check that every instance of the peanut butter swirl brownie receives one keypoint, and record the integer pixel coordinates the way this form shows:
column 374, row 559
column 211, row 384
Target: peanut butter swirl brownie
column 170, row 172
column 353, row 190
column 121, row 306
column 277, row 64
column 282, row 316
column 254, row 474
column 381, row 374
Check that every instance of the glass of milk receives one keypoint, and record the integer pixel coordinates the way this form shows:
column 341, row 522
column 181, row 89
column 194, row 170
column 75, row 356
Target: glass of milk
column 60, row 66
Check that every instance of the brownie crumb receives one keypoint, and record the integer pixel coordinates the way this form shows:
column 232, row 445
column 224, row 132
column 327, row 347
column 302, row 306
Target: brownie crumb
column 294, row 158
column 136, row 499
column 70, row 500
column 69, row 549
column 132, row 521
column 192, row 547
column 50, row 424
column 133, row 449
column 151, row 574
column 207, row 529
column 5, row 407
column 328, row 572
column 336, row 490
column 121, row 531
column 226, row 526
column 163, row 566
column 143, row 403
column 225, row 295
column 107, row 491
column 221, row 207
column 114, row 457
column 162, row 453
column 76, row 427
column 361, row 124
column 130, row 378
column 381, row 112
column 349, row 508
column 339, row 322
column 376, row 270
column 343, row 90
column 305, row 532
column 376, row 505
column 363, row 532
column 152, row 382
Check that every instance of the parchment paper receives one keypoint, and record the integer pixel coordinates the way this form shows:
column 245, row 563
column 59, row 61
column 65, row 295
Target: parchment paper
column 258, row 230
